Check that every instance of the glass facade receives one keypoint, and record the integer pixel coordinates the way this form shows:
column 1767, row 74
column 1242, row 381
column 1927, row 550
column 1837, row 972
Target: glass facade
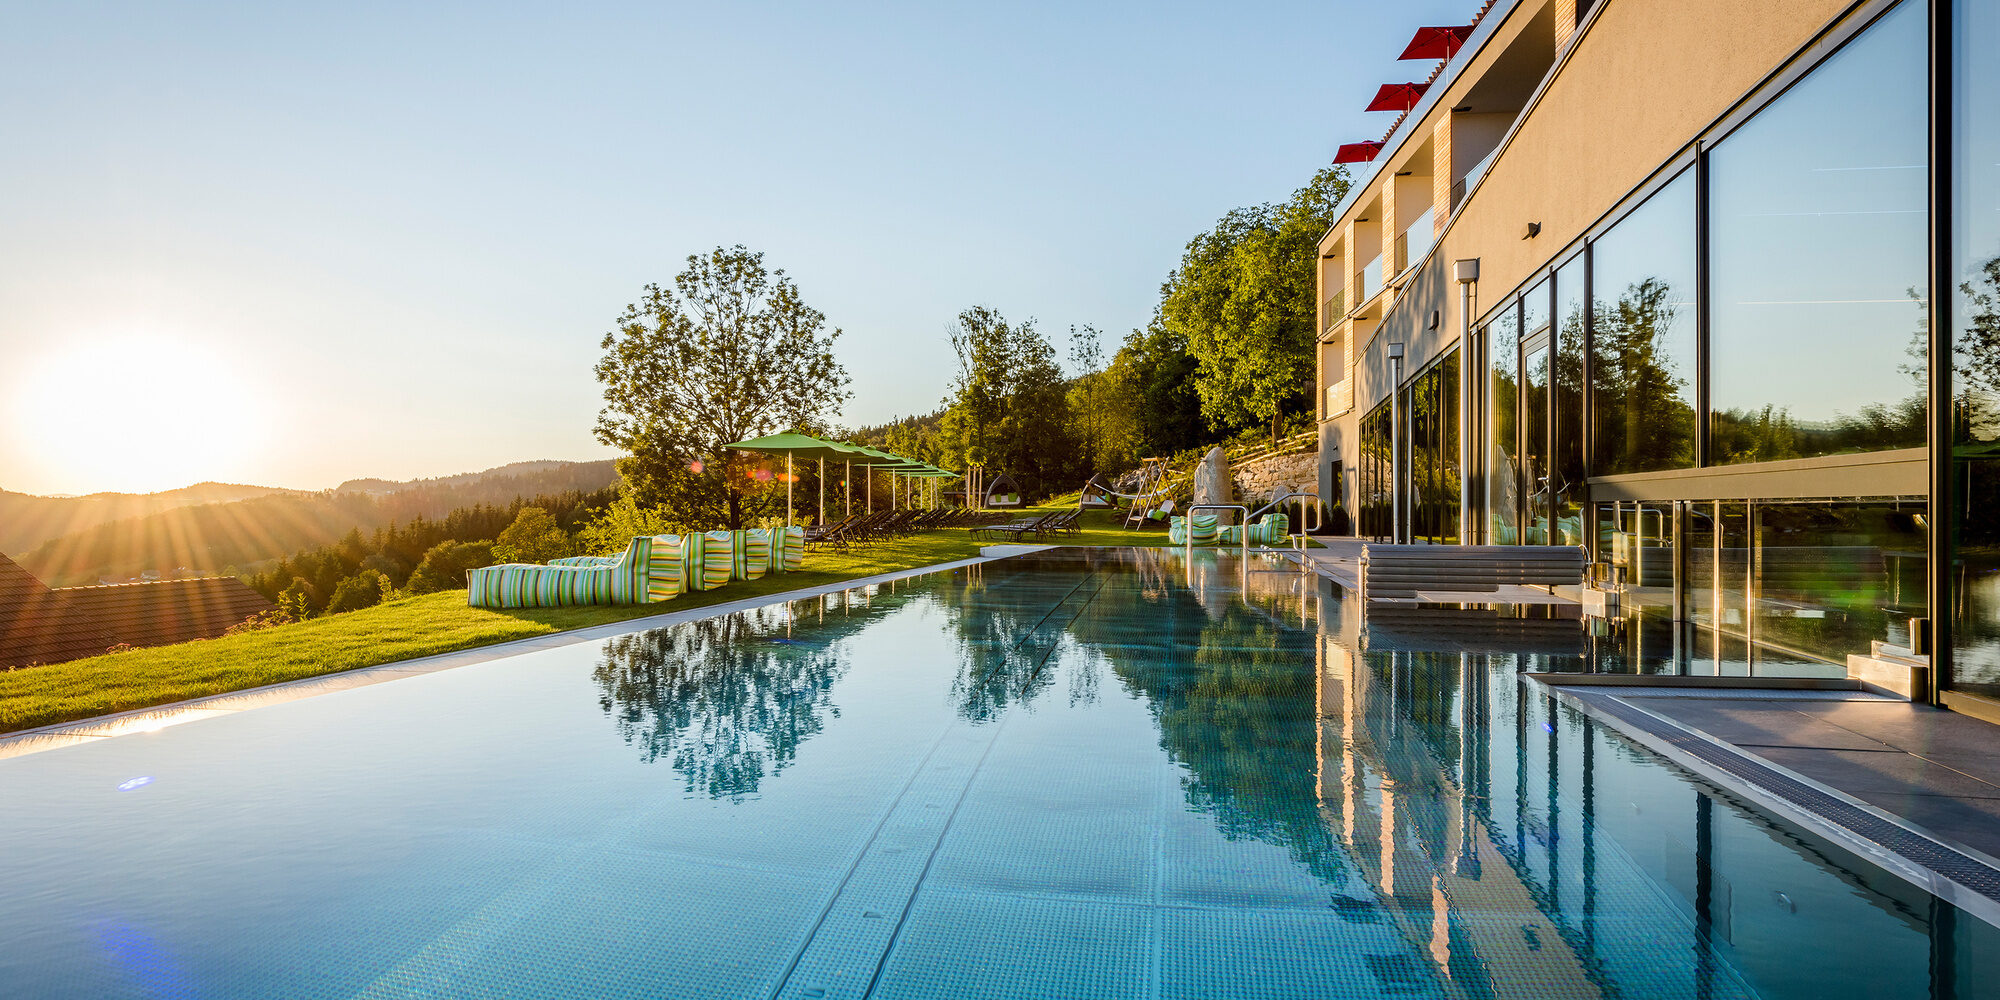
column 1974, row 274
column 1432, row 402
column 1767, row 303
column 1373, row 507
column 1503, row 401
column 1566, row 469
column 1643, row 354
column 1816, row 242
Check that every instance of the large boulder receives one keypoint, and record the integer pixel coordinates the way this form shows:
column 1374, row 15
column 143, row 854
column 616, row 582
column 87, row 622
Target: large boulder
column 1211, row 479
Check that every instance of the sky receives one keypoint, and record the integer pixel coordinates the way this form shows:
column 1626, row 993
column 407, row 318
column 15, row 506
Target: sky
column 290, row 245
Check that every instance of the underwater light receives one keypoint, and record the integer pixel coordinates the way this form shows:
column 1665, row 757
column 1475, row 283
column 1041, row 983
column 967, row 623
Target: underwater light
column 127, row 786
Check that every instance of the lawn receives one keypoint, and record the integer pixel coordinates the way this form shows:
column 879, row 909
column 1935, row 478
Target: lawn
column 421, row 626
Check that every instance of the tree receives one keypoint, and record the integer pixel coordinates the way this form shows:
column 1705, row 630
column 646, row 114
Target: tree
column 1242, row 298
column 534, row 537
column 362, row 590
column 1009, row 408
column 1155, row 374
column 444, row 566
column 299, row 600
column 729, row 352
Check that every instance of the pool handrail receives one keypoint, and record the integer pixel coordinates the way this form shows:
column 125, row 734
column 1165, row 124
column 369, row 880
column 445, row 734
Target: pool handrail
column 1242, row 535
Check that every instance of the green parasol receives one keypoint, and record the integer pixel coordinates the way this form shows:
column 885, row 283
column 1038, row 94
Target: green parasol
column 791, row 445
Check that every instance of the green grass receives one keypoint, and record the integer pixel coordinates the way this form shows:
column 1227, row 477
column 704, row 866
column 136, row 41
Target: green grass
column 398, row 630
column 424, row 626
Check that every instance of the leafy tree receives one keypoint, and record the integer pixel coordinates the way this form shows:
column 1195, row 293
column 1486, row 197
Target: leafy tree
column 729, row 352
column 299, row 600
column 615, row 526
column 1009, row 408
column 1242, row 298
column 444, row 566
column 1642, row 399
column 1155, row 376
column 534, row 537
column 362, row 590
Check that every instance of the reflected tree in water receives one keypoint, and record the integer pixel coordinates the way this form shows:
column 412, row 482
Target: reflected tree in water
column 1644, row 412
column 1231, row 689
column 725, row 702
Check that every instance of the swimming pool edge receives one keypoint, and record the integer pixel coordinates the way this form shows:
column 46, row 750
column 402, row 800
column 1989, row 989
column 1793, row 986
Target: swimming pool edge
column 156, row 717
column 1763, row 784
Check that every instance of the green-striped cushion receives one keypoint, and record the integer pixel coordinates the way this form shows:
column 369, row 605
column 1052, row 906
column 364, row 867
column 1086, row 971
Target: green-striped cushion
column 793, row 545
column 628, row 574
column 1203, row 526
column 750, row 556
column 666, row 574
column 716, row 569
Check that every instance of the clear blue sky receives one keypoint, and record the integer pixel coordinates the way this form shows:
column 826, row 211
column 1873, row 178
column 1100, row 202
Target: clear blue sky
column 386, row 241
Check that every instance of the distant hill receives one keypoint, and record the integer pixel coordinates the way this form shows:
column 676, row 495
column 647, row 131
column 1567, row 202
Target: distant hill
column 579, row 475
column 27, row 520
column 220, row 537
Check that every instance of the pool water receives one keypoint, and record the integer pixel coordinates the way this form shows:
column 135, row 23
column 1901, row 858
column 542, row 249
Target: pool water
column 1090, row 773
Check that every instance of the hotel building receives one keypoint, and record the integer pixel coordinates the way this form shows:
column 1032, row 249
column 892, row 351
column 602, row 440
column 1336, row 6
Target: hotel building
column 1710, row 288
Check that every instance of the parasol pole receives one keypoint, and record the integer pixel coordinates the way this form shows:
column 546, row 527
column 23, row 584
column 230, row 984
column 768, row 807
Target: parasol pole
column 847, row 490
column 822, row 490
column 869, row 471
column 788, row 489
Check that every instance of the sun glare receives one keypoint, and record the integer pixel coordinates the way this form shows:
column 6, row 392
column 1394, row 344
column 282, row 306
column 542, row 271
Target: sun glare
column 136, row 414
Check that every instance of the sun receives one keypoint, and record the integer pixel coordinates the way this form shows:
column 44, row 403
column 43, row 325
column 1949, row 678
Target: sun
column 135, row 413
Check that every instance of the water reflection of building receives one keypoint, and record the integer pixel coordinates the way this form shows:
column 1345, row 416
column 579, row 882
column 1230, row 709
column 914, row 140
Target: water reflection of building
column 1522, row 846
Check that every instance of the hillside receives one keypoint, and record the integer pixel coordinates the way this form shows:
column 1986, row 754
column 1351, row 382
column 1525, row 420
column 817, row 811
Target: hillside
column 224, row 537
column 27, row 520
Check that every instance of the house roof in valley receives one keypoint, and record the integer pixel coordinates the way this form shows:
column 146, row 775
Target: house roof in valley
column 39, row 624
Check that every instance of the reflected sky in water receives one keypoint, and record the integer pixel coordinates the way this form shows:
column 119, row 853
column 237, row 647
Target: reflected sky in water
column 1086, row 774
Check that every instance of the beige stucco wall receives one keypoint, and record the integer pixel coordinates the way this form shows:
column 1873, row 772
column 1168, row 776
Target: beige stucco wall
column 1646, row 77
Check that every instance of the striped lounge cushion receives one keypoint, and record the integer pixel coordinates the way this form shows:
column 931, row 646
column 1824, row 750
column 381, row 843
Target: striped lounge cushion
column 716, row 552
column 666, row 573
column 1202, row 527
column 788, row 551
column 750, row 553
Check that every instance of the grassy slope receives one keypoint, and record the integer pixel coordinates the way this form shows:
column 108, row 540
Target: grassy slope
column 418, row 626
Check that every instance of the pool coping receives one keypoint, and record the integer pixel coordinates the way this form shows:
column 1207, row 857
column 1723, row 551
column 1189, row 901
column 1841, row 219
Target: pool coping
column 1963, row 876
column 157, row 717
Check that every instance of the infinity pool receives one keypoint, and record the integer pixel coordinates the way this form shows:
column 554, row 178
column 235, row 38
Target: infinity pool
column 1092, row 773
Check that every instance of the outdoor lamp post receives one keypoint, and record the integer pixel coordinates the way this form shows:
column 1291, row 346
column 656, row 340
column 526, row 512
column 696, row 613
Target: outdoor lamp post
column 1397, row 535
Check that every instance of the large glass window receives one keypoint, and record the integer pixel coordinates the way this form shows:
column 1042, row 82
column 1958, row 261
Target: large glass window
column 1433, row 408
column 1566, row 395
column 1975, row 271
column 1503, row 472
column 1373, row 505
column 1817, row 225
column 1535, row 438
column 1642, row 385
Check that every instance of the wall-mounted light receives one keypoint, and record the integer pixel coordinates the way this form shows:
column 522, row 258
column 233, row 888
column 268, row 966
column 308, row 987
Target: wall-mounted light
column 1437, row 317
column 1534, row 229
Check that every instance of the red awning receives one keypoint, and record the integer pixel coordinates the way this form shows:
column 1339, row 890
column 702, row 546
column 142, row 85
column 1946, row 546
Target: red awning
column 1397, row 96
column 1436, row 43
column 1357, row 152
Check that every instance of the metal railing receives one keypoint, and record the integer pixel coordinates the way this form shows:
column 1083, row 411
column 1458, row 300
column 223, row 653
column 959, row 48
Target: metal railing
column 1336, row 308
column 1242, row 537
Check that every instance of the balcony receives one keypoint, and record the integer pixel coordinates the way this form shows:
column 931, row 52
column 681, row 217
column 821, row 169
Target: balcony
column 1335, row 309
column 1413, row 243
column 1471, row 177
column 1339, row 398
column 1371, row 279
